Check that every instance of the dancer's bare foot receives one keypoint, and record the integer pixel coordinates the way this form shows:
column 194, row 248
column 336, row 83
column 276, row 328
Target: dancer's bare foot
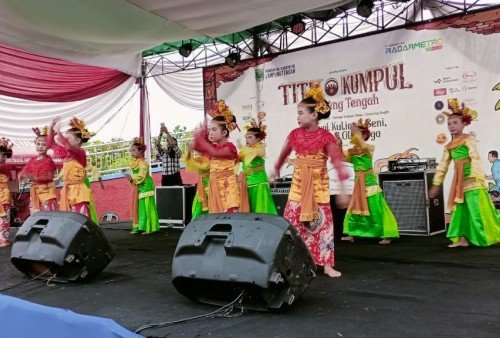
column 347, row 239
column 385, row 241
column 461, row 243
column 329, row 271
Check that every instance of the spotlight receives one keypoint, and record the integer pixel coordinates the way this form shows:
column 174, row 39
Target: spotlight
column 186, row 49
column 232, row 59
column 364, row 8
column 297, row 26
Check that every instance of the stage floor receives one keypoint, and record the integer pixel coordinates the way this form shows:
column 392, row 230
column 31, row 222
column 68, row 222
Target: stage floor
column 414, row 287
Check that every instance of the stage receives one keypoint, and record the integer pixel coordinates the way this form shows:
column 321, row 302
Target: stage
column 414, row 287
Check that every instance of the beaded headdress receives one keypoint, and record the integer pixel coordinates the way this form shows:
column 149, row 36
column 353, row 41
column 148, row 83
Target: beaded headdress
column 43, row 132
column 220, row 108
column 467, row 114
column 80, row 126
column 258, row 124
column 316, row 93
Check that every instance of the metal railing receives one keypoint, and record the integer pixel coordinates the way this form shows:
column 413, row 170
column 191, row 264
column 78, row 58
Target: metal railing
column 114, row 157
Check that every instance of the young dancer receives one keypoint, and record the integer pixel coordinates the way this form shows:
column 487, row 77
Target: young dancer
column 75, row 195
column 200, row 165
column 255, row 192
column 308, row 206
column 40, row 170
column 144, row 213
column 5, row 174
column 223, row 195
column 368, row 214
column 473, row 218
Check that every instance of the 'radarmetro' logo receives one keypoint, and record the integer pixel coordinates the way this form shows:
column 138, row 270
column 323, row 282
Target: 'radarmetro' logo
column 427, row 45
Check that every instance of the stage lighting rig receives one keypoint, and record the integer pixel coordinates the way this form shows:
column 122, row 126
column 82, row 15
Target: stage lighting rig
column 233, row 58
column 297, row 25
column 186, row 49
column 364, row 8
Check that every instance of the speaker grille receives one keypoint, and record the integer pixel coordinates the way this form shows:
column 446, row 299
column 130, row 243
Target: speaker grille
column 407, row 200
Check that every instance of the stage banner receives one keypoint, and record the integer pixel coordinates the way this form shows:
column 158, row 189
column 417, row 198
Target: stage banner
column 400, row 80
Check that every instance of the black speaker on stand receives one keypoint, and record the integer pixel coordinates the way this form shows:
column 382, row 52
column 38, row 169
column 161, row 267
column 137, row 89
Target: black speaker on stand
column 60, row 246
column 220, row 255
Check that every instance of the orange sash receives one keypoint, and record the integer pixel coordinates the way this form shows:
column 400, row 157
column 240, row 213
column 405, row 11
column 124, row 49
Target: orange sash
column 64, row 202
column 308, row 204
column 215, row 202
column 457, row 184
column 359, row 203
column 35, row 196
column 2, row 209
column 244, row 202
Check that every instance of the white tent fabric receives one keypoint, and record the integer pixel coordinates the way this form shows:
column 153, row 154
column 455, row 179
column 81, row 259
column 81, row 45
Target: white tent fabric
column 19, row 116
column 113, row 33
column 186, row 87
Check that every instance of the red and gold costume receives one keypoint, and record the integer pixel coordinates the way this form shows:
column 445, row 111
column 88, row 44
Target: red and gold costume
column 223, row 191
column 5, row 200
column 40, row 170
column 75, row 195
column 308, row 206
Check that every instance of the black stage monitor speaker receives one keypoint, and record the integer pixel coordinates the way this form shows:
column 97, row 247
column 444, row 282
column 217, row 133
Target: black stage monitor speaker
column 60, row 246
column 220, row 255
column 174, row 204
column 406, row 194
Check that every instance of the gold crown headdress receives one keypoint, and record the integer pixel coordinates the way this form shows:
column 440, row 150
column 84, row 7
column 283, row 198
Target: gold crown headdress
column 80, row 126
column 316, row 93
column 258, row 124
column 364, row 126
column 220, row 108
column 41, row 132
column 467, row 114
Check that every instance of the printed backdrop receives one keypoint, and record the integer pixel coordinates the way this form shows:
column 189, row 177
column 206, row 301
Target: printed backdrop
column 401, row 80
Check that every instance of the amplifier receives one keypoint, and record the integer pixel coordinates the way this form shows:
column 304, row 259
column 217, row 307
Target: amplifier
column 406, row 194
column 411, row 164
column 174, row 205
column 279, row 192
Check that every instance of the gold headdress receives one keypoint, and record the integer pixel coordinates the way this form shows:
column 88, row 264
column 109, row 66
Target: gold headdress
column 220, row 108
column 41, row 132
column 316, row 93
column 364, row 126
column 258, row 124
column 467, row 114
column 80, row 126
column 139, row 142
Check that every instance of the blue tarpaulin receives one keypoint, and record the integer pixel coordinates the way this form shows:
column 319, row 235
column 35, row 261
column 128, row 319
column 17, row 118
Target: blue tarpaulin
column 23, row 319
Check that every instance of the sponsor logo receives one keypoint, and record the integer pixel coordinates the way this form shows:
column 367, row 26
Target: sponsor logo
column 469, row 76
column 467, row 88
column 451, row 67
column 453, row 90
column 331, row 87
column 440, row 91
column 437, row 81
column 440, row 119
column 470, row 102
column 439, row 105
column 427, row 45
